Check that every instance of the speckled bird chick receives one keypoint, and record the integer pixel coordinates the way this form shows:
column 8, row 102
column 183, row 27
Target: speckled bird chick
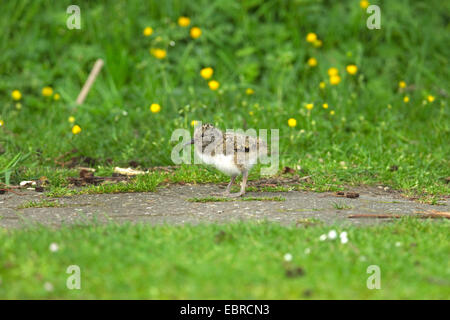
column 230, row 152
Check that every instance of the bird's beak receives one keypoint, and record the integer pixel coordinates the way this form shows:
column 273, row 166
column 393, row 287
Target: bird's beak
column 188, row 143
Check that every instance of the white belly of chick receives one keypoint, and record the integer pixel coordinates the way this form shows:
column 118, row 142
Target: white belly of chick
column 224, row 163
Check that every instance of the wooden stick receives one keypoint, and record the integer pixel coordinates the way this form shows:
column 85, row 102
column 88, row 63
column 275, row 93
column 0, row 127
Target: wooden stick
column 443, row 214
column 90, row 80
column 378, row 216
column 396, row 216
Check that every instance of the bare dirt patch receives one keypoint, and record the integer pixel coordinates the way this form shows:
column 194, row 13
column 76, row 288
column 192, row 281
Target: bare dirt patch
column 171, row 205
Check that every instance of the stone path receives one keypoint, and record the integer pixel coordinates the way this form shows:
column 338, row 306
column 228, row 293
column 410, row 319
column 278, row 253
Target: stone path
column 170, row 205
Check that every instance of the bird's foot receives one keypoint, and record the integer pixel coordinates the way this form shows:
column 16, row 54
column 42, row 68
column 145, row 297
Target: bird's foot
column 235, row 195
column 221, row 194
column 227, row 194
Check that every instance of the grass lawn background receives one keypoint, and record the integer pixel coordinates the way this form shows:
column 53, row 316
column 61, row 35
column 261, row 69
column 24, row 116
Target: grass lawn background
column 250, row 44
column 234, row 261
column 373, row 131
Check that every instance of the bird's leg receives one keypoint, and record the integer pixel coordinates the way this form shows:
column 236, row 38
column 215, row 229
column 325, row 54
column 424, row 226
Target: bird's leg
column 228, row 189
column 243, row 186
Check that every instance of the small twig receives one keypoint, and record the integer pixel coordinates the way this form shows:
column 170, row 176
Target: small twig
column 396, row 216
column 11, row 190
column 90, row 80
column 4, row 185
column 378, row 216
column 442, row 214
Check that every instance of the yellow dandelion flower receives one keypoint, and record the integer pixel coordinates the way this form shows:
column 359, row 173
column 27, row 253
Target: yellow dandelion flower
column 195, row 32
column 2, row 123
column 194, row 123
column 206, row 73
column 47, row 91
column 76, row 129
column 292, row 122
column 309, row 106
column 249, row 91
column 56, row 96
column 333, row 71
column 158, row 53
column 352, row 69
column 251, row 113
column 16, row 95
column 147, row 31
column 325, row 105
column 430, row 98
column 332, row 113
column 317, row 43
column 155, row 108
column 322, row 85
column 311, row 37
column 71, row 119
column 312, row 62
column 406, row 99
column 184, row 21
column 334, row 80
column 213, row 85
column 402, row 84
column 364, row 4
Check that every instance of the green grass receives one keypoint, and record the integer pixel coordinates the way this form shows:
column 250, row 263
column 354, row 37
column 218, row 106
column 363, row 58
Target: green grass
column 373, row 138
column 240, row 260
column 224, row 199
column 141, row 183
column 193, row 174
column 308, row 222
column 341, row 206
column 40, row 204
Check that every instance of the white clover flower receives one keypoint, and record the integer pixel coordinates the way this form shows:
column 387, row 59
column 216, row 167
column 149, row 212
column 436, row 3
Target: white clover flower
column 48, row 286
column 332, row 234
column 343, row 234
column 323, row 237
column 343, row 237
column 288, row 257
column 54, row 247
column 307, row 251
